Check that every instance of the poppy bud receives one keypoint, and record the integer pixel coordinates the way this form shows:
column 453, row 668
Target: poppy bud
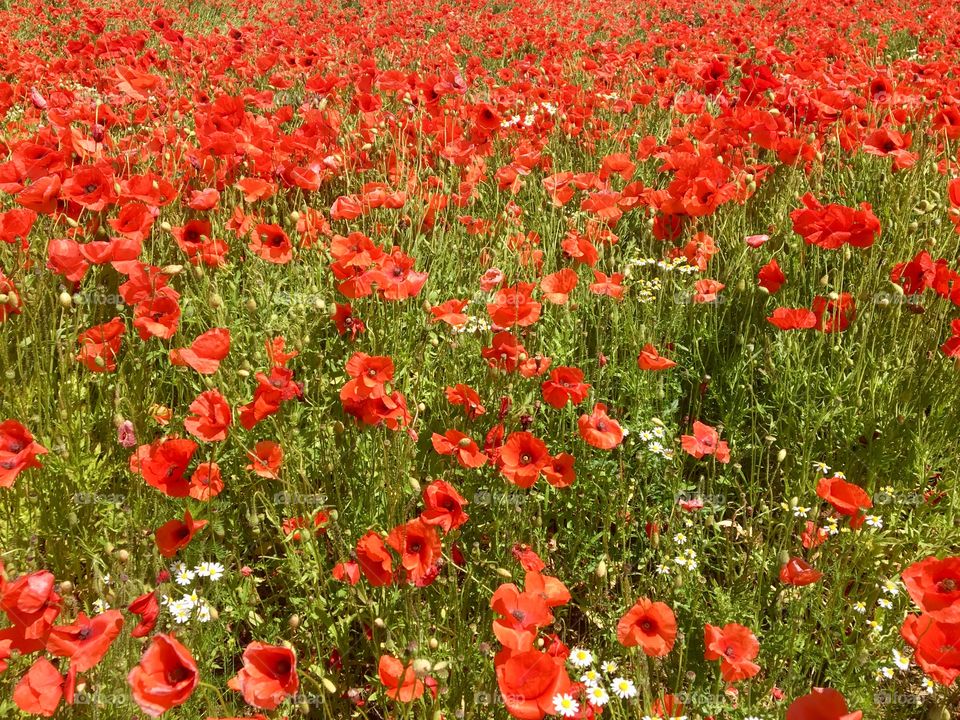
column 66, row 587
column 4, row 298
column 415, row 485
column 938, row 712
column 504, row 573
column 294, row 216
column 782, row 455
column 421, row 407
column 251, row 305
column 243, row 373
column 784, row 557
column 433, row 643
column 100, row 362
column 171, row 269
column 123, row 556
column 421, row 667
column 66, row 300
column 601, row 570
column 294, row 622
column 897, row 288
column 215, row 300
column 165, row 226
column 378, row 622
column 328, row 685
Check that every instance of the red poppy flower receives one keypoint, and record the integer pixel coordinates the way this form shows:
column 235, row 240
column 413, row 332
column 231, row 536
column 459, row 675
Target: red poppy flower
column 557, row 286
column 205, row 353
column 91, row 187
column 504, row 353
column 599, row 429
column 528, row 559
column 348, row 572
column 175, row 535
column 735, row 646
column 521, row 615
column 771, row 277
column 206, row 482
column 797, row 571
column 609, row 285
column 443, row 506
column 514, row 306
column 450, row 312
column 705, row 441
column 400, row 680
column 87, row 640
column 454, row 442
column 821, row 704
column 529, row 681
column 813, row 535
column 418, row 545
column 158, row 316
column 650, row 625
column 846, row 498
column 934, row 585
column 793, row 319
column 834, row 315
column 265, row 459
column 559, row 471
column 650, row 359
column 211, row 417
column 32, row 606
column 374, row 559
column 147, row 606
column 522, row 457
column 466, row 397
column 11, row 304
column 832, row 226
column 100, row 344
column 40, row 690
column 268, row 676
column 396, row 279
column 565, row 385
column 165, row 677
column 163, row 464
column 271, row 243
column 936, row 646
column 18, row 451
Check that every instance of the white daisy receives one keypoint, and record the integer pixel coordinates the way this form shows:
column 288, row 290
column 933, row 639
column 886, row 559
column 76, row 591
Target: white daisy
column 581, row 657
column 890, row 587
column 884, row 603
column 597, row 696
column 821, row 467
column 609, row 666
column 565, row 705
column 860, row 607
column 100, row 606
column 590, row 677
column 623, row 688
column 900, row 661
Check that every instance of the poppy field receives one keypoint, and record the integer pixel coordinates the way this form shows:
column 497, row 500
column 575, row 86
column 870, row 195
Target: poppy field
column 503, row 359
